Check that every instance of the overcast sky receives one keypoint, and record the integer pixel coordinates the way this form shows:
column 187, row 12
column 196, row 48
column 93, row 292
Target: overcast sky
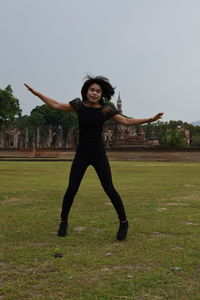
column 149, row 49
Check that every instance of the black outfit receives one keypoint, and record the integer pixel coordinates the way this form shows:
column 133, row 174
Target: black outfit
column 90, row 151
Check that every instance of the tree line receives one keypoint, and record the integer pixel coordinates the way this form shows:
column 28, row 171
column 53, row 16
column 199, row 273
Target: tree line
column 41, row 117
column 168, row 133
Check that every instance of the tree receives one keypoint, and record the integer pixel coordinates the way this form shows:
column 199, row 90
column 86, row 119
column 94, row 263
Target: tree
column 9, row 108
column 196, row 140
column 161, row 128
column 174, row 124
column 43, row 117
column 148, row 128
column 158, row 130
column 175, row 139
column 49, row 116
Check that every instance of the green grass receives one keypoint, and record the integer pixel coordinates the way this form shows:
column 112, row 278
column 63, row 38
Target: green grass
column 163, row 206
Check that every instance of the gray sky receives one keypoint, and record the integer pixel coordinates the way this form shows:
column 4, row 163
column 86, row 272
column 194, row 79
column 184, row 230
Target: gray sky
column 149, row 49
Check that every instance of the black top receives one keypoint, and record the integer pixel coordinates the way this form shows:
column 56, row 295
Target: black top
column 91, row 120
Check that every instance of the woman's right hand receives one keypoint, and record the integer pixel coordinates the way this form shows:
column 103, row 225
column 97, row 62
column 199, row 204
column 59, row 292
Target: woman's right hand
column 30, row 89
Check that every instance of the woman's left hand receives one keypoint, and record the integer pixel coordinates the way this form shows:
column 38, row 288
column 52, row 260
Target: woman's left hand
column 156, row 117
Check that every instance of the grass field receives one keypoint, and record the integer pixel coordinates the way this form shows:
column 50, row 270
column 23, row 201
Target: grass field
column 159, row 260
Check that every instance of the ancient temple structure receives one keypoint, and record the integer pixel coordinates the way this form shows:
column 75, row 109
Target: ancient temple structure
column 115, row 136
column 10, row 138
column 15, row 139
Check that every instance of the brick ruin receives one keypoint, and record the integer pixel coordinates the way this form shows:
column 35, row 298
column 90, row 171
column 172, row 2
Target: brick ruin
column 115, row 135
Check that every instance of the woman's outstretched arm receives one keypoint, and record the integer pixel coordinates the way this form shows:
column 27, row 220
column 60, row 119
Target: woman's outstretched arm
column 51, row 102
column 131, row 121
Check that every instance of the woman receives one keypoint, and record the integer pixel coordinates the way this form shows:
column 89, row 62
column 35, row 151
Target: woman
column 93, row 110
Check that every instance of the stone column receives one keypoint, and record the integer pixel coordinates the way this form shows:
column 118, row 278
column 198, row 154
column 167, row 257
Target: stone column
column 50, row 137
column 26, row 138
column 38, row 138
column 1, row 140
column 15, row 140
column 70, row 139
column 60, row 138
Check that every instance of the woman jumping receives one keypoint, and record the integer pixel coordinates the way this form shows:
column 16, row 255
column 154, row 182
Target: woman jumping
column 93, row 111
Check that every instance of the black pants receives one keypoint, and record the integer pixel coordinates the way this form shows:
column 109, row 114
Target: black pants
column 98, row 159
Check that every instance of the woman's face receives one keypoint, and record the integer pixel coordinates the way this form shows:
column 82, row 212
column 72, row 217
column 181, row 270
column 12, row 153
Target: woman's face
column 94, row 93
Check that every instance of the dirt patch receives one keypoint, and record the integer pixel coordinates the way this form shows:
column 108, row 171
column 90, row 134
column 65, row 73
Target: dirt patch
column 15, row 200
column 131, row 267
column 159, row 234
column 175, row 203
column 188, row 197
column 178, row 248
column 161, row 209
column 79, row 228
column 193, row 224
column 37, row 244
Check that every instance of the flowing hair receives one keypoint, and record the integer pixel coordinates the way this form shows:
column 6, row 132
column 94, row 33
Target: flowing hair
column 107, row 89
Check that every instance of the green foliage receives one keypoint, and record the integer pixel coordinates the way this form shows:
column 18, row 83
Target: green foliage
column 196, row 140
column 23, row 122
column 194, row 134
column 161, row 131
column 9, row 108
column 174, row 124
column 44, row 116
column 148, row 130
column 175, row 139
column 169, row 133
column 157, row 129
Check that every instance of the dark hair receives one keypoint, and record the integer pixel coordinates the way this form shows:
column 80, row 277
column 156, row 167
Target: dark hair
column 107, row 89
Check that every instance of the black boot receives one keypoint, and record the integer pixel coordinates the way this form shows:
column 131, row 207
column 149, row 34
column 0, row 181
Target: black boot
column 62, row 230
column 123, row 229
